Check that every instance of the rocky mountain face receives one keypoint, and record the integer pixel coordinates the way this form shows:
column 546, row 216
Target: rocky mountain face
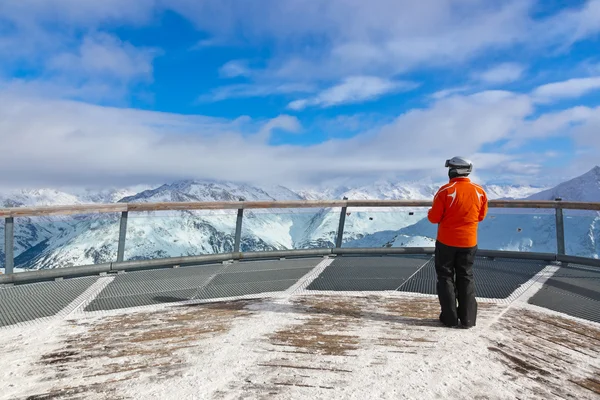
column 53, row 242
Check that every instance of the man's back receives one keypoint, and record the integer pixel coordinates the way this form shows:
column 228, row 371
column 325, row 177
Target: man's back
column 458, row 207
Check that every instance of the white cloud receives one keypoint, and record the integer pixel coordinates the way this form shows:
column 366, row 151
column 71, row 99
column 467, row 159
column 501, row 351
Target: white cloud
column 571, row 88
column 384, row 37
column 283, row 122
column 348, row 37
column 571, row 25
column 256, row 90
column 503, row 73
column 105, row 56
column 379, row 38
column 68, row 142
column 578, row 124
column 39, row 29
column 441, row 94
column 556, row 122
column 59, row 41
column 354, row 89
column 362, row 45
column 235, row 68
column 77, row 12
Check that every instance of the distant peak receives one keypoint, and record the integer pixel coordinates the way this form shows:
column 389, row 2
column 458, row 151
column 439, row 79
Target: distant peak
column 593, row 173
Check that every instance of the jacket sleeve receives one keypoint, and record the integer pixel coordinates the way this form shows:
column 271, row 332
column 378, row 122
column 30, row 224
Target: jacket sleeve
column 436, row 212
column 484, row 207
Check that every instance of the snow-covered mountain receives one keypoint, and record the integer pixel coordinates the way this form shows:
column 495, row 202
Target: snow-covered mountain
column 511, row 191
column 518, row 230
column 583, row 188
column 50, row 242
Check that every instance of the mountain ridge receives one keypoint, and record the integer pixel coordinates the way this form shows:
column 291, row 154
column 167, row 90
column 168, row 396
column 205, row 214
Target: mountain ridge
column 49, row 242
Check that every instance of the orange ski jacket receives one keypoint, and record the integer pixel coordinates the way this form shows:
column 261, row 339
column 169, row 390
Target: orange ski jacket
column 458, row 207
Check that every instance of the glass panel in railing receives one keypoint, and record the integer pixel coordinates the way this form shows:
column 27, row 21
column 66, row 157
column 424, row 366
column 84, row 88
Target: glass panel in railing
column 525, row 230
column 503, row 229
column 582, row 233
column 388, row 227
column 65, row 241
column 164, row 234
column 287, row 229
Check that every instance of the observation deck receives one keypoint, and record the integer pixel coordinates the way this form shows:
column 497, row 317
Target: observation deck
column 325, row 323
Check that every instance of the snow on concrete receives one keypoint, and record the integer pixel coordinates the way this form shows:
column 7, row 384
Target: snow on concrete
column 342, row 346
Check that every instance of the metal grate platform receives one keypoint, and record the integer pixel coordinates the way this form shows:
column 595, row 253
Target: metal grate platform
column 573, row 290
column 367, row 273
column 153, row 287
column 144, row 288
column 494, row 279
column 38, row 300
column 253, row 277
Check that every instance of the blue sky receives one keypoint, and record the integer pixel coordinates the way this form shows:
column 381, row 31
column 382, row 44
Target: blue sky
column 297, row 92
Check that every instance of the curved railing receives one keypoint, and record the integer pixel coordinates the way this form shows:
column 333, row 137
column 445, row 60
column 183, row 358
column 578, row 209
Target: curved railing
column 125, row 208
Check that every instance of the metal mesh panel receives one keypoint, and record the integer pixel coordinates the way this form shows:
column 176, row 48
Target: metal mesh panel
column 423, row 281
column 142, row 288
column 577, row 279
column 496, row 279
column 266, row 276
column 160, row 280
column 38, row 300
column 151, row 287
column 137, row 300
column 259, row 276
column 247, row 266
column 243, row 289
column 499, row 278
column 573, row 290
column 367, row 273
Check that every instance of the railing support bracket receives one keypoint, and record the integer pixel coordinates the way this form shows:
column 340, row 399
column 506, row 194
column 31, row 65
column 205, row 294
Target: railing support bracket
column 340, row 232
column 122, row 236
column 560, row 229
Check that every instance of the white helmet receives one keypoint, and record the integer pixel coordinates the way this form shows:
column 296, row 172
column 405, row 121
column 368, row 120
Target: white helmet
column 459, row 166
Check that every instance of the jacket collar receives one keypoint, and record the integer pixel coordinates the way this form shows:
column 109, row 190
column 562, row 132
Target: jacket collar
column 460, row 179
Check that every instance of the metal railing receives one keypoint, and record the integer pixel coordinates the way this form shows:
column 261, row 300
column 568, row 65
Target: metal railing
column 125, row 208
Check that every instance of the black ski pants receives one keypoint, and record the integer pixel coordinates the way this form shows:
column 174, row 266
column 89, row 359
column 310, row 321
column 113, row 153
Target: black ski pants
column 455, row 281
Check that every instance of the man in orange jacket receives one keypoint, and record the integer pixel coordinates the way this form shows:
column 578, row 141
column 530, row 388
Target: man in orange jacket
column 458, row 207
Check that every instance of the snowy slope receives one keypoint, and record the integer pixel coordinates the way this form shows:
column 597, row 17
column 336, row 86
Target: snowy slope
column 64, row 241
column 511, row 191
column 29, row 232
column 518, row 230
column 583, row 188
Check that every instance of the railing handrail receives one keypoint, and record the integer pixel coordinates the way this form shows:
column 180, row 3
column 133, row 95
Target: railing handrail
column 124, row 208
column 235, row 205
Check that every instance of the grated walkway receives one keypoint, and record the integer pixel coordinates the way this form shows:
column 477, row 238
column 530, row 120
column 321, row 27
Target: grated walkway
column 25, row 303
column 573, row 290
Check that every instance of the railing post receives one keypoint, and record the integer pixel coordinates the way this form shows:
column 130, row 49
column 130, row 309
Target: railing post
column 9, row 237
column 560, row 229
column 122, row 236
column 238, row 230
column 340, row 232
